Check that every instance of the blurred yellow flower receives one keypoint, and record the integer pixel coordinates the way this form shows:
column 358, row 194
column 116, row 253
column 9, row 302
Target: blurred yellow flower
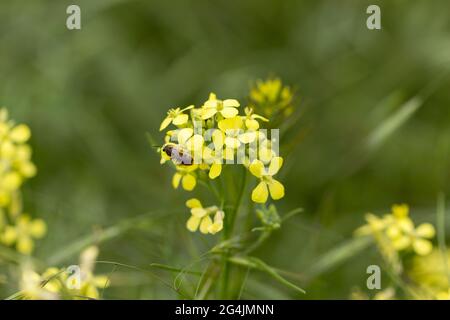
column 267, row 183
column 23, row 232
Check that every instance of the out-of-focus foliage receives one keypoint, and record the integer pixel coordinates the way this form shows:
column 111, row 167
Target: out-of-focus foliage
column 374, row 128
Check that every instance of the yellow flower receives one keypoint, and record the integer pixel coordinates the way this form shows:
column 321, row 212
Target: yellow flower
column 187, row 139
column 32, row 286
column 15, row 158
column 276, row 189
column 443, row 295
column 175, row 116
column 200, row 218
column 186, row 175
column 271, row 98
column 250, row 119
column 23, row 232
column 227, row 108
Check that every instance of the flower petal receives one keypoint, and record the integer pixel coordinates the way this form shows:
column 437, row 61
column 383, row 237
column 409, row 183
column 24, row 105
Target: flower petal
column 426, row 230
column 276, row 190
column 260, row 193
column 208, row 113
column 184, row 135
column 165, row 123
column 275, row 165
column 252, row 124
column 257, row 168
column 193, row 223
column 176, row 180
column 215, row 170
column 231, row 103
column 188, row 182
column 180, row 119
column 199, row 212
column 193, row 203
column 422, row 247
column 229, row 112
column 205, row 224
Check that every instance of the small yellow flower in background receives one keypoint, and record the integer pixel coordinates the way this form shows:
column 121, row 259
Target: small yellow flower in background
column 271, row 98
column 23, row 233
column 399, row 229
column 186, row 175
column 32, row 286
column 275, row 188
column 175, row 116
column 90, row 283
column 227, row 108
column 15, row 158
column 201, row 218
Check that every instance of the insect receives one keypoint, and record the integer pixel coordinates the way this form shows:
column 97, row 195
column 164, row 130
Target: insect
column 178, row 154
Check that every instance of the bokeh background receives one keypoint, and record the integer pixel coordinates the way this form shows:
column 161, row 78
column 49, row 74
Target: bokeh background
column 375, row 109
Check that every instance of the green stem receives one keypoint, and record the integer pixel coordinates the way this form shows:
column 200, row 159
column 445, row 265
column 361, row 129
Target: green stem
column 228, row 231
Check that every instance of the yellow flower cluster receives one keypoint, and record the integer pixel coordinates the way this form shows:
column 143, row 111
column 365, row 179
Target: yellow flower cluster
column 201, row 217
column 398, row 230
column 218, row 123
column 431, row 274
column 16, row 227
column 57, row 283
column 15, row 155
column 271, row 98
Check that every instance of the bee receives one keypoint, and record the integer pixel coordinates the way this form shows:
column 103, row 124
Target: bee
column 178, row 154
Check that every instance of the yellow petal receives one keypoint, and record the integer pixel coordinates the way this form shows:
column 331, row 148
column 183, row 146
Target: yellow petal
column 25, row 245
column 215, row 227
column 247, row 137
column 100, row 281
column 252, row 124
column 38, row 228
column 400, row 210
column 425, row 230
column 216, row 169
column 184, row 135
column 204, row 225
column 260, row 193
column 229, row 112
column 196, row 142
column 188, row 182
column 165, row 123
column 234, row 123
column 257, row 168
column 199, row 212
column 401, row 243
column 193, row 203
column 180, row 119
column 193, row 223
column 176, row 180
column 218, row 139
column 20, row 133
column 422, row 247
column 9, row 235
column 275, row 165
column 208, row 113
column 232, row 142
column 231, row 103
column 276, row 190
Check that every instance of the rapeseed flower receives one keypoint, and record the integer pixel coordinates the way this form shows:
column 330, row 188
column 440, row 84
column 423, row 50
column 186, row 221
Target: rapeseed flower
column 175, row 116
column 227, row 108
column 201, row 218
column 267, row 184
column 23, row 232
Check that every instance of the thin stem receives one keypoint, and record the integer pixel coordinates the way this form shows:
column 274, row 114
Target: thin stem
column 228, row 231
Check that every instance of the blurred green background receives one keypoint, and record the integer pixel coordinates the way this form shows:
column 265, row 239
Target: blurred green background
column 91, row 95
